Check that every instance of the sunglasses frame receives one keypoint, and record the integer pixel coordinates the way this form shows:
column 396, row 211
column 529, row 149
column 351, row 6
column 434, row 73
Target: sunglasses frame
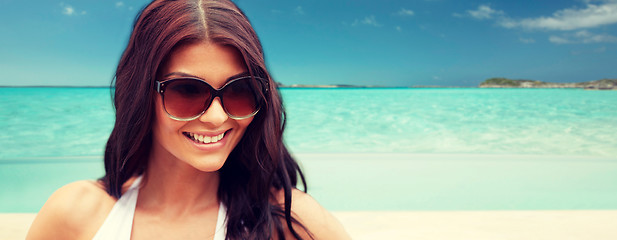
column 162, row 84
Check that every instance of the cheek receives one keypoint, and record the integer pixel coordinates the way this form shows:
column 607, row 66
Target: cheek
column 244, row 123
column 163, row 125
column 241, row 126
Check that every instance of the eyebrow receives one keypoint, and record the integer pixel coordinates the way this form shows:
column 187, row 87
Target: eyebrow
column 182, row 74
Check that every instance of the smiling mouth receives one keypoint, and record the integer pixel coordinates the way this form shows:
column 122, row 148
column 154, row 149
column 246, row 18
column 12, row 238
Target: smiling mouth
column 204, row 139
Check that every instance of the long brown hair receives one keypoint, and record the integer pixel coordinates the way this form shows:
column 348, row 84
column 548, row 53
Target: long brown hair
column 259, row 163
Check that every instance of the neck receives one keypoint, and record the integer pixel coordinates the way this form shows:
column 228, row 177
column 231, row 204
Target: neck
column 174, row 186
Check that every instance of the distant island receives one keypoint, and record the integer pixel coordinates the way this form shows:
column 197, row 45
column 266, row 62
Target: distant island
column 603, row 84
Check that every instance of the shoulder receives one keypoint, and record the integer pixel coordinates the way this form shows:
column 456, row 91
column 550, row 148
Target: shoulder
column 317, row 220
column 73, row 211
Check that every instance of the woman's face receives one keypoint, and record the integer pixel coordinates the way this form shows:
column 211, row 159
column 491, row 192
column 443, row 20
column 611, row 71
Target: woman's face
column 173, row 139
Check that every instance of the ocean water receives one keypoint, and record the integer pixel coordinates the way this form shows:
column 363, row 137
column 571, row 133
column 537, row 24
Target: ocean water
column 487, row 121
column 412, row 149
column 53, row 122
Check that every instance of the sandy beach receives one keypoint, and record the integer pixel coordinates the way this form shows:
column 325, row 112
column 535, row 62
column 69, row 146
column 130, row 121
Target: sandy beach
column 437, row 225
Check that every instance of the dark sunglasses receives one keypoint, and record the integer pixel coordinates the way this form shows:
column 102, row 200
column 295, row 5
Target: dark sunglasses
column 187, row 98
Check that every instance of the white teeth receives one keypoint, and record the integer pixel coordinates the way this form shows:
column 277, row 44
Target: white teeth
column 206, row 139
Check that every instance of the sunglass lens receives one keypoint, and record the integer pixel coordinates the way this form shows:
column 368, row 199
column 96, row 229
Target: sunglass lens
column 240, row 98
column 186, row 98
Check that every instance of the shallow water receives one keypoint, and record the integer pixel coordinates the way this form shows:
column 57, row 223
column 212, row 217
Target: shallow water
column 52, row 122
column 493, row 121
column 384, row 181
column 362, row 149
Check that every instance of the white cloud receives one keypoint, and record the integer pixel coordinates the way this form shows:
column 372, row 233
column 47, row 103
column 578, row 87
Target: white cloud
column 587, row 37
column 405, row 12
column 484, row 12
column 298, row 10
column 398, row 29
column 526, row 40
column 507, row 22
column 370, row 20
column 593, row 15
column 558, row 40
column 119, row 4
column 583, row 36
column 70, row 10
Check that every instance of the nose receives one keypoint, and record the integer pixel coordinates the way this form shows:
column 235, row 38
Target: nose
column 215, row 115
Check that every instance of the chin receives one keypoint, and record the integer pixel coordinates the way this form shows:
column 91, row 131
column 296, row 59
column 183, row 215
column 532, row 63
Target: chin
column 209, row 163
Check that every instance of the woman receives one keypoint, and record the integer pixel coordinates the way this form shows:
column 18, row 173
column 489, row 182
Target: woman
column 196, row 151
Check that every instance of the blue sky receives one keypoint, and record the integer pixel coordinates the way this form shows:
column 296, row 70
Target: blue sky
column 389, row 43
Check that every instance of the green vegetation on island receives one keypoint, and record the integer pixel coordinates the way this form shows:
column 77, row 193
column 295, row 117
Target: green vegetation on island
column 603, row 84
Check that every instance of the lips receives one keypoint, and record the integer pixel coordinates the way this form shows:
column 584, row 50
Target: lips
column 204, row 139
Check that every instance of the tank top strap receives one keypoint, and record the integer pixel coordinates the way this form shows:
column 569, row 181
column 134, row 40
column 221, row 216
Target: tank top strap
column 221, row 223
column 119, row 222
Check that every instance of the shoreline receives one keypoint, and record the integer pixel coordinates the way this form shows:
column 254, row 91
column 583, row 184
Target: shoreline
column 435, row 182
column 389, row 181
column 438, row 225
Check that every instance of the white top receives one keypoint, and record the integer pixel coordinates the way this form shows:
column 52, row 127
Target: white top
column 119, row 222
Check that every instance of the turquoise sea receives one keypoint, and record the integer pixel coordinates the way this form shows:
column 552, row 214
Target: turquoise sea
column 363, row 149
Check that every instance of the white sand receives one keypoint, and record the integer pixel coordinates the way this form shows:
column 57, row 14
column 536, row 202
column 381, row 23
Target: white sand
column 476, row 225
column 480, row 225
